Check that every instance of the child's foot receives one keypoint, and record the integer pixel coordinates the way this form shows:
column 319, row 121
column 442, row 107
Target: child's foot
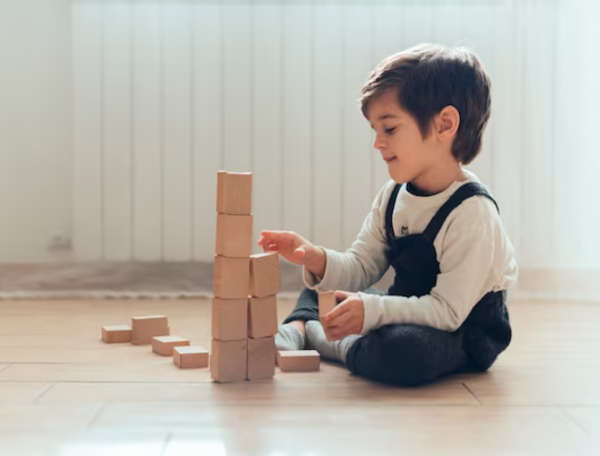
column 330, row 350
column 290, row 336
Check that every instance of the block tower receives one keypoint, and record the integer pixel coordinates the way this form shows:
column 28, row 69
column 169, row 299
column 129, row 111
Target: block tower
column 244, row 315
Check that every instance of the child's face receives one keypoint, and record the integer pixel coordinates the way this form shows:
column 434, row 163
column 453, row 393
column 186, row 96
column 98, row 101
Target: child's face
column 398, row 138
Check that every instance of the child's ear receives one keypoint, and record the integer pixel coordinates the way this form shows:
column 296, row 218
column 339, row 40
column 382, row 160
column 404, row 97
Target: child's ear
column 447, row 122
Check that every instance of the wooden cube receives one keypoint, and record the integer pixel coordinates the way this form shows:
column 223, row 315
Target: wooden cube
column 326, row 302
column 231, row 277
column 229, row 319
column 261, row 358
column 143, row 329
column 116, row 333
column 228, row 360
column 234, row 235
column 234, row 193
column 262, row 316
column 265, row 275
column 193, row 356
column 298, row 360
column 163, row 345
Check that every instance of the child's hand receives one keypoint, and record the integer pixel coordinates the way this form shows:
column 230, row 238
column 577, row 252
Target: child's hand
column 345, row 318
column 294, row 248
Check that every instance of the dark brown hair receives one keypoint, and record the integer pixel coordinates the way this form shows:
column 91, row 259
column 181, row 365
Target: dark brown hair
column 429, row 77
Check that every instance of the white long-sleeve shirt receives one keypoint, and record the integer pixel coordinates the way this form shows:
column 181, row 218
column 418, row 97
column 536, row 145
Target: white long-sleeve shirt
column 472, row 247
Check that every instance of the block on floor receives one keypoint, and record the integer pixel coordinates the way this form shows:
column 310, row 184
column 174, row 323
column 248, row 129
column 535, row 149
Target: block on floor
column 326, row 302
column 261, row 358
column 265, row 274
column 144, row 328
column 116, row 333
column 192, row 356
column 234, row 235
column 231, row 277
column 163, row 345
column 298, row 360
column 229, row 318
column 228, row 360
column 262, row 316
column 234, row 192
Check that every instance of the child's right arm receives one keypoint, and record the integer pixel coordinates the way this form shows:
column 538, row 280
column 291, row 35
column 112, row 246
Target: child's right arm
column 359, row 267
column 296, row 249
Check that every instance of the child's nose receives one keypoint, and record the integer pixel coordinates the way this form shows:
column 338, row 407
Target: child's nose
column 378, row 143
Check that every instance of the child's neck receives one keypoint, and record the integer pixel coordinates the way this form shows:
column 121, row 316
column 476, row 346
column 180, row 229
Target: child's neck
column 436, row 181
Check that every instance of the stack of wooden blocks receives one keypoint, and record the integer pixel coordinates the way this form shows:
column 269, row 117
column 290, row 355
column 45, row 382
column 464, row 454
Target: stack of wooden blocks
column 244, row 307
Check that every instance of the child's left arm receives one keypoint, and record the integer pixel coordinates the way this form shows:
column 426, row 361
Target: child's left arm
column 467, row 271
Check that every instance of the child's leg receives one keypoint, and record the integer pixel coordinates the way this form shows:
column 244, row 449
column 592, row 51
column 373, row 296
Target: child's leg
column 307, row 307
column 330, row 350
column 407, row 354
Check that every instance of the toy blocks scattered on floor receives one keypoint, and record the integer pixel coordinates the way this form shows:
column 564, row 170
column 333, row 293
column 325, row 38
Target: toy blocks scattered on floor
column 191, row 356
column 163, row 345
column 116, row 333
column 143, row 329
column 298, row 360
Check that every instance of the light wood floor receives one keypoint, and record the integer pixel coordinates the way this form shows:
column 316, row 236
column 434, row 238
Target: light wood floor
column 63, row 392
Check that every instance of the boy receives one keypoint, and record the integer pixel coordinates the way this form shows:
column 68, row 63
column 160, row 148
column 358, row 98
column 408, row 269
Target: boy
column 434, row 223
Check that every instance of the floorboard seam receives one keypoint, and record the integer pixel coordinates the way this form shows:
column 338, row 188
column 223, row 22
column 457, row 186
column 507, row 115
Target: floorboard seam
column 39, row 396
column 166, row 444
column 471, row 393
column 96, row 415
column 573, row 420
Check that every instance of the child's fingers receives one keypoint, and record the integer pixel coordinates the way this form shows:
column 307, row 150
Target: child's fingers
column 341, row 295
column 331, row 317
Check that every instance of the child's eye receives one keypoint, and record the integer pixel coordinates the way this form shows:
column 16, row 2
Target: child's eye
column 389, row 131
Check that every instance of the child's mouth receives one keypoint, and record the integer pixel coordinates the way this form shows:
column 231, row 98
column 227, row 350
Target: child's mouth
column 390, row 159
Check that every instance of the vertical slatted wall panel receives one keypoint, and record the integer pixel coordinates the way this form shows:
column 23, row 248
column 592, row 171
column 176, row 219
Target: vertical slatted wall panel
column 88, row 33
column 168, row 92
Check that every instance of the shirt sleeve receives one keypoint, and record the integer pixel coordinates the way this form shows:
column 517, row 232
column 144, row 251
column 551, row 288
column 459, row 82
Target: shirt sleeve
column 466, row 261
column 364, row 263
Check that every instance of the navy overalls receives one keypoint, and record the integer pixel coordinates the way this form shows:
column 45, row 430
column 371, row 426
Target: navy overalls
column 410, row 354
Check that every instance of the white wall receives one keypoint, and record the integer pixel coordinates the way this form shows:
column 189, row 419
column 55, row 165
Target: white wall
column 35, row 127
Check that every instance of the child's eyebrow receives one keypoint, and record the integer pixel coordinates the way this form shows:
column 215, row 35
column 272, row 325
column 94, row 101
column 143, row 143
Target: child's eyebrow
column 385, row 116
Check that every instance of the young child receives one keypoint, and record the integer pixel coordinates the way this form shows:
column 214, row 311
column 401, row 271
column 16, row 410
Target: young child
column 435, row 223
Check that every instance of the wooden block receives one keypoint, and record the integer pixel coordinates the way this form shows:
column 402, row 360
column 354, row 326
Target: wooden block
column 231, row 277
column 261, row 358
column 234, row 235
column 262, row 316
column 326, row 302
column 229, row 319
column 298, row 360
column 163, row 345
column 189, row 357
column 143, row 329
column 265, row 275
column 234, row 193
column 116, row 333
column 228, row 360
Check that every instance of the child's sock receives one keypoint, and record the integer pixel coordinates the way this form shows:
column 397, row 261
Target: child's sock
column 331, row 350
column 289, row 338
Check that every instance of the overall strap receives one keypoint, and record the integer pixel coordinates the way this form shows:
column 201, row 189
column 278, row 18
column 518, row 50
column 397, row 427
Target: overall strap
column 389, row 227
column 464, row 191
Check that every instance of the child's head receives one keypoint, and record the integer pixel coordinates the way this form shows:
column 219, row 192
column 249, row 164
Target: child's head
column 443, row 92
